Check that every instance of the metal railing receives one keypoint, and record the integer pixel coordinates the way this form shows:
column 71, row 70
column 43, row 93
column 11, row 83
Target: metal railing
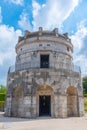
column 61, row 65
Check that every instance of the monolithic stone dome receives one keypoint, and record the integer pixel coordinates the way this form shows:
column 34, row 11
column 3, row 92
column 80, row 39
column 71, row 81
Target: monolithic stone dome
column 44, row 80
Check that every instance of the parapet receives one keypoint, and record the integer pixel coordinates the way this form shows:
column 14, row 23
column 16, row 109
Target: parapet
column 46, row 33
column 55, row 30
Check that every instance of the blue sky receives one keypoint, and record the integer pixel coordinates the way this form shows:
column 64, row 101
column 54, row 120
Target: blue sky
column 18, row 15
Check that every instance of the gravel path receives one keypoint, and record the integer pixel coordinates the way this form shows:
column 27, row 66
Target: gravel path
column 44, row 123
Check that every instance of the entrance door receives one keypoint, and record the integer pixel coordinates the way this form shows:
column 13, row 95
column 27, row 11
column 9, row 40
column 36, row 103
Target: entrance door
column 44, row 105
column 44, row 61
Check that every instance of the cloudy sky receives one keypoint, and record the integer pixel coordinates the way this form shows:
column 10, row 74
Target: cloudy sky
column 18, row 15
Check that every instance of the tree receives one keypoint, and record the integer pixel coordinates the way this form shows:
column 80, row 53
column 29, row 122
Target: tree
column 2, row 97
column 2, row 89
column 85, row 85
column 2, row 93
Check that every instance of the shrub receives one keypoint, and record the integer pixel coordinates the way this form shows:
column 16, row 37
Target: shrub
column 85, row 95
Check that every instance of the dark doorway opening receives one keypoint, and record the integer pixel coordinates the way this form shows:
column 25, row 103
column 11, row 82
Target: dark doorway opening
column 44, row 61
column 44, row 105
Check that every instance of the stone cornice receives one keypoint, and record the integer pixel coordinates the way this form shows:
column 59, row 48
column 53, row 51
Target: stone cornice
column 44, row 39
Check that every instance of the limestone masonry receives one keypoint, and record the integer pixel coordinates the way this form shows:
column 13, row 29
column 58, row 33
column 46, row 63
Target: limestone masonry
column 44, row 81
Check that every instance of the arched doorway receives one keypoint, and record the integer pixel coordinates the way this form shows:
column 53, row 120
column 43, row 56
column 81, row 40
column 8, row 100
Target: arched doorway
column 44, row 100
column 17, row 101
column 72, row 102
column 45, row 105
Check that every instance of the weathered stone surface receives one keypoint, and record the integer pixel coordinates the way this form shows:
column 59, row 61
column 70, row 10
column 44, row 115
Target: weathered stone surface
column 60, row 81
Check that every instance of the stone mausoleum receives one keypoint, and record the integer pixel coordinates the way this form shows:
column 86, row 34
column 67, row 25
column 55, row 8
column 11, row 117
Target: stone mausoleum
column 44, row 80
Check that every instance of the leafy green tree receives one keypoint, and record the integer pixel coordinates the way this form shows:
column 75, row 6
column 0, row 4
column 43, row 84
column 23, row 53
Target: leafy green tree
column 85, row 85
column 2, row 89
column 2, row 97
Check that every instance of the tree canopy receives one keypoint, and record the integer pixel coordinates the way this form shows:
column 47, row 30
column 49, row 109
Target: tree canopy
column 2, row 89
column 85, row 85
column 2, row 97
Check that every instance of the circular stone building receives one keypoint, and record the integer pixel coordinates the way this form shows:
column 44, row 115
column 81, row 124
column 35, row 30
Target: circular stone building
column 44, row 82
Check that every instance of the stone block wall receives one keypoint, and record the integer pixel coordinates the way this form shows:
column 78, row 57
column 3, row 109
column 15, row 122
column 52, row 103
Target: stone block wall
column 29, row 81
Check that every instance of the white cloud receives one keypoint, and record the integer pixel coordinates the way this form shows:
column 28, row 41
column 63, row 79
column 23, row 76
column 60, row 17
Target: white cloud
column 81, row 61
column 8, row 40
column 79, row 40
column 17, row 2
column 49, row 15
column 52, row 13
column 79, row 37
column 24, row 22
column 36, row 8
column 0, row 16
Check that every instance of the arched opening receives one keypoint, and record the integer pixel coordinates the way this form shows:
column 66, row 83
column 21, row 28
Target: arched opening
column 44, row 105
column 44, row 100
column 17, row 101
column 72, row 102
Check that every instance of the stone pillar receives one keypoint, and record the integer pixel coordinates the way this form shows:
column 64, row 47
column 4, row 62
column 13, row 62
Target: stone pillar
column 33, row 106
column 37, row 105
column 56, row 105
column 20, row 108
column 27, row 106
column 30, row 106
column 60, row 106
column 52, row 106
column 8, row 106
column 81, row 105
